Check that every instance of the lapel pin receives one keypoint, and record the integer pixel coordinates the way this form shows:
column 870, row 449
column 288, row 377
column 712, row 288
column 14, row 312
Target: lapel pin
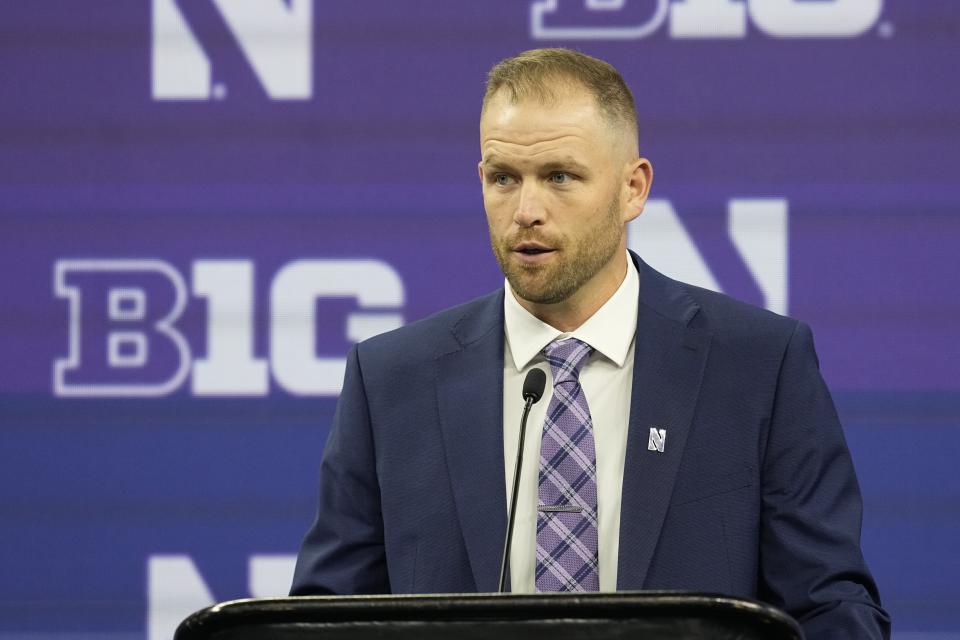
column 658, row 439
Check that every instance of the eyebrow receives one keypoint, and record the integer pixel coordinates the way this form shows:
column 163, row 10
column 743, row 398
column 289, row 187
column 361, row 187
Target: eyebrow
column 567, row 163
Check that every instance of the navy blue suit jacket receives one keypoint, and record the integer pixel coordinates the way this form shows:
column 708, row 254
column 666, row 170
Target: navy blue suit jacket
column 754, row 495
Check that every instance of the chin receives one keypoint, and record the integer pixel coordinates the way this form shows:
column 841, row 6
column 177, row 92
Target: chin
column 538, row 294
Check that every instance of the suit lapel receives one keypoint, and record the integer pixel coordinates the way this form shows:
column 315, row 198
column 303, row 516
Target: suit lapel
column 668, row 366
column 470, row 401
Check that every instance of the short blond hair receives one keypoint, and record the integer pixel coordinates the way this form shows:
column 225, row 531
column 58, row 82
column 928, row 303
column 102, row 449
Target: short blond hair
column 536, row 73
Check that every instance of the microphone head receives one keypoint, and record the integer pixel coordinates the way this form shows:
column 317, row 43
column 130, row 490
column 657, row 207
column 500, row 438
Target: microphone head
column 533, row 385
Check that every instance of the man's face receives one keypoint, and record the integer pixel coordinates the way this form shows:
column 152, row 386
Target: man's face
column 557, row 192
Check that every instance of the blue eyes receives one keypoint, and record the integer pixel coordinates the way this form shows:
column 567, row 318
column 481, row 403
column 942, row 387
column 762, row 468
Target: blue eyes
column 557, row 178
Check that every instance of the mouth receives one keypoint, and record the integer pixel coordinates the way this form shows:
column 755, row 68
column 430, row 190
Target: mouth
column 532, row 249
column 533, row 254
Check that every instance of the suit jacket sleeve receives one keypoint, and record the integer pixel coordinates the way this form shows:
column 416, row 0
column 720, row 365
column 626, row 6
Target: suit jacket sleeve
column 343, row 552
column 811, row 564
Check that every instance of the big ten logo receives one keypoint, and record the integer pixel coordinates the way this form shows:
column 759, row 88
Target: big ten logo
column 204, row 48
column 635, row 19
column 123, row 338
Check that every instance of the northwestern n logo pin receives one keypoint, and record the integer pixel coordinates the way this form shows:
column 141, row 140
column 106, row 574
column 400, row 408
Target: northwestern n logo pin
column 658, row 439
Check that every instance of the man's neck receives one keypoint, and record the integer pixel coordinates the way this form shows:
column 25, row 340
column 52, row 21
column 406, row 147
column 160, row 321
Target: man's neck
column 571, row 313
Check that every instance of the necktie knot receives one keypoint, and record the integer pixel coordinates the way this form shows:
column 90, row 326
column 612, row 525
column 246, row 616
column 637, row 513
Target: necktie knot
column 566, row 358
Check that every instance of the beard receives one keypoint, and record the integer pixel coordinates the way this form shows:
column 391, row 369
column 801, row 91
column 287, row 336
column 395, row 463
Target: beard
column 577, row 260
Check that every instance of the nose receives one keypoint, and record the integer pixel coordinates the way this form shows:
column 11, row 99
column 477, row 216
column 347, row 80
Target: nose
column 530, row 211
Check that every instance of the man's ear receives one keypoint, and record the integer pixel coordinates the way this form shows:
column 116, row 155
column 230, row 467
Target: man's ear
column 637, row 181
column 480, row 170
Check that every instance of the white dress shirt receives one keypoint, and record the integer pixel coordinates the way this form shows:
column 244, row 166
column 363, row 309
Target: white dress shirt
column 607, row 379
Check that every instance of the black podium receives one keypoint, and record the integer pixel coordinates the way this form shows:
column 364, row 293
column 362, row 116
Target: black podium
column 647, row 615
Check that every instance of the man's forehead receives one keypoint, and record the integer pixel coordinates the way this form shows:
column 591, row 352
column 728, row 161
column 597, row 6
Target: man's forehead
column 529, row 123
column 532, row 137
column 495, row 157
column 566, row 105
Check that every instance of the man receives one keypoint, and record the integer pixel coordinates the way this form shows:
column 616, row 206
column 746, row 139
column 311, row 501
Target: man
column 685, row 440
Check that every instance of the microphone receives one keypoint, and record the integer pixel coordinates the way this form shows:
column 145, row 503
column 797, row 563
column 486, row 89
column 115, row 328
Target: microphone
column 533, row 386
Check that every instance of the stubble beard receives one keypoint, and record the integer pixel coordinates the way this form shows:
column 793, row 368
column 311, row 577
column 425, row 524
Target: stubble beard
column 579, row 259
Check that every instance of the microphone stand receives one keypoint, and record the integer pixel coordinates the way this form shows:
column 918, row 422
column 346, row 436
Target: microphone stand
column 530, row 400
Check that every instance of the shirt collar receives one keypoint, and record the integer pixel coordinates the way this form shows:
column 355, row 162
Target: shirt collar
column 609, row 331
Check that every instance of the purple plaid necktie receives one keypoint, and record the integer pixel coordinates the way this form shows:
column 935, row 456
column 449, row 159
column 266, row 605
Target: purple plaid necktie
column 567, row 514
